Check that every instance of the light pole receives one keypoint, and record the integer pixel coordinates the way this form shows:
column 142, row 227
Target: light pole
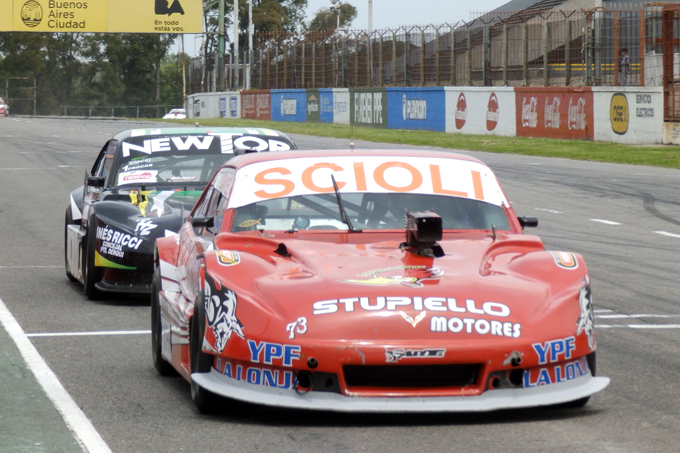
column 250, row 45
column 235, row 61
column 336, row 8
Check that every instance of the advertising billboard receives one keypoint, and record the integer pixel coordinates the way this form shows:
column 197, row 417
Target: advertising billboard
column 119, row 16
column 416, row 108
column 481, row 110
column 554, row 112
column 289, row 105
column 256, row 105
column 631, row 115
column 368, row 107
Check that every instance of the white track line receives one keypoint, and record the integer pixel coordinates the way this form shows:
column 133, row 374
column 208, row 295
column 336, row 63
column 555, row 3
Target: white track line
column 29, row 267
column 666, row 233
column 85, row 334
column 638, row 326
column 636, row 316
column 81, row 427
column 606, row 222
column 552, row 211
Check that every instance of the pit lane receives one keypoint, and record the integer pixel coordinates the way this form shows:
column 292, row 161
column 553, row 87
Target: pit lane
column 625, row 220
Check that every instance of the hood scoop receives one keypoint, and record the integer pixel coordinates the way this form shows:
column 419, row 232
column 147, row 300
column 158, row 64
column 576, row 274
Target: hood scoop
column 423, row 230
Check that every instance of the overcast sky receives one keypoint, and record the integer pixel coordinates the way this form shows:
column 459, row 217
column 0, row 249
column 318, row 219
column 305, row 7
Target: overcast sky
column 389, row 14
column 393, row 13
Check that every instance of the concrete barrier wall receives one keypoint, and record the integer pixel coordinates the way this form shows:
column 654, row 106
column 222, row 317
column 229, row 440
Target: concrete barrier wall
column 256, row 105
column 290, row 105
column 632, row 115
column 555, row 112
column 214, row 105
column 481, row 110
column 416, row 109
column 334, row 106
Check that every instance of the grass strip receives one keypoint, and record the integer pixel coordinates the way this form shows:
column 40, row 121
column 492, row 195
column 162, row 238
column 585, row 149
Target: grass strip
column 653, row 155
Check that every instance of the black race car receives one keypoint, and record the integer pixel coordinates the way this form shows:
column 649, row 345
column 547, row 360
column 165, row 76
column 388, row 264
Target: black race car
column 142, row 186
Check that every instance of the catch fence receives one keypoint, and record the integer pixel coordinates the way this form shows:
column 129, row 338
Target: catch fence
column 536, row 48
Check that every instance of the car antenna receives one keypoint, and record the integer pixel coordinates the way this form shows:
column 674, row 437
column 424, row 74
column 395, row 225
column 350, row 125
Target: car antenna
column 343, row 214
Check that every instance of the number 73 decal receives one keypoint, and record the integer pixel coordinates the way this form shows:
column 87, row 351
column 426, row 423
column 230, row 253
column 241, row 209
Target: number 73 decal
column 299, row 326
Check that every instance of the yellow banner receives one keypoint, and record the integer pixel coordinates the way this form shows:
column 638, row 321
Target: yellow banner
column 113, row 16
column 156, row 16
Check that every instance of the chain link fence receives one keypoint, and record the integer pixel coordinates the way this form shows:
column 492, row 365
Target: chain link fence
column 528, row 48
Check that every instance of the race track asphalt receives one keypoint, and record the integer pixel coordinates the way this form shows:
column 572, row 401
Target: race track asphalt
column 624, row 220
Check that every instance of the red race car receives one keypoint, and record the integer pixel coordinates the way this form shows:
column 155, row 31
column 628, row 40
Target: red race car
column 379, row 281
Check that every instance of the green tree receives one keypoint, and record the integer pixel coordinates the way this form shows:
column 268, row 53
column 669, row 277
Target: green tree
column 327, row 19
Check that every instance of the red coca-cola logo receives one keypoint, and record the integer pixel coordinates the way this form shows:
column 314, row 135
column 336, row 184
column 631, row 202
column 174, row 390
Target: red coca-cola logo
column 492, row 112
column 461, row 111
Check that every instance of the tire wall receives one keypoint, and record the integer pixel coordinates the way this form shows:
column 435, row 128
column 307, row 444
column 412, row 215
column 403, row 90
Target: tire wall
column 631, row 115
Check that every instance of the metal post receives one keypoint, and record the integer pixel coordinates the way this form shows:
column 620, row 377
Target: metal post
column 293, row 66
column 407, row 57
column 302, row 67
column 486, row 60
column 369, row 61
column 261, row 69
column 436, row 58
column 616, row 48
column 642, row 48
column 544, row 41
column 504, row 53
column 220, row 45
column 468, row 56
column 453, row 57
column 345, row 83
column 356, row 61
column 567, row 51
column 35, row 97
column 381, row 81
column 587, row 50
column 597, row 47
column 313, row 85
column 370, row 16
column 394, row 59
column 236, row 59
column 251, row 30
column 525, row 54
column 422, row 58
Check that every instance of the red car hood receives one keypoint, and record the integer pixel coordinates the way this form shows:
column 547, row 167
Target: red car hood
column 367, row 287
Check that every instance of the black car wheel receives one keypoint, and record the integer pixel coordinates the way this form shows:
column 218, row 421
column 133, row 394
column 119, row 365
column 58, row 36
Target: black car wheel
column 91, row 274
column 205, row 401
column 68, row 220
column 163, row 367
column 592, row 365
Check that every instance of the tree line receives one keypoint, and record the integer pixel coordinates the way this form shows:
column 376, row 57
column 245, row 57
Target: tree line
column 115, row 69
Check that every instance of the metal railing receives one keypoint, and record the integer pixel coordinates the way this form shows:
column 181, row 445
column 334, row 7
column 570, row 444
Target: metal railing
column 118, row 111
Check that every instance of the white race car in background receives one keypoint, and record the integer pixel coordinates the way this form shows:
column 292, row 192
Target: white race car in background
column 4, row 108
column 176, row 114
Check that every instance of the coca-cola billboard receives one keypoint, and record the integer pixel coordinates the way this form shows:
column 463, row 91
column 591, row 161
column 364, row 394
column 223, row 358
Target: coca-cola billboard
column 492, row 112
column 555, row 112
column 256, row 105
column 461, row 111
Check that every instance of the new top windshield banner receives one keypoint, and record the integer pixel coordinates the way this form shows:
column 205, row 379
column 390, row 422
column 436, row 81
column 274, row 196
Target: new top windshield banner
column 113, row 16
